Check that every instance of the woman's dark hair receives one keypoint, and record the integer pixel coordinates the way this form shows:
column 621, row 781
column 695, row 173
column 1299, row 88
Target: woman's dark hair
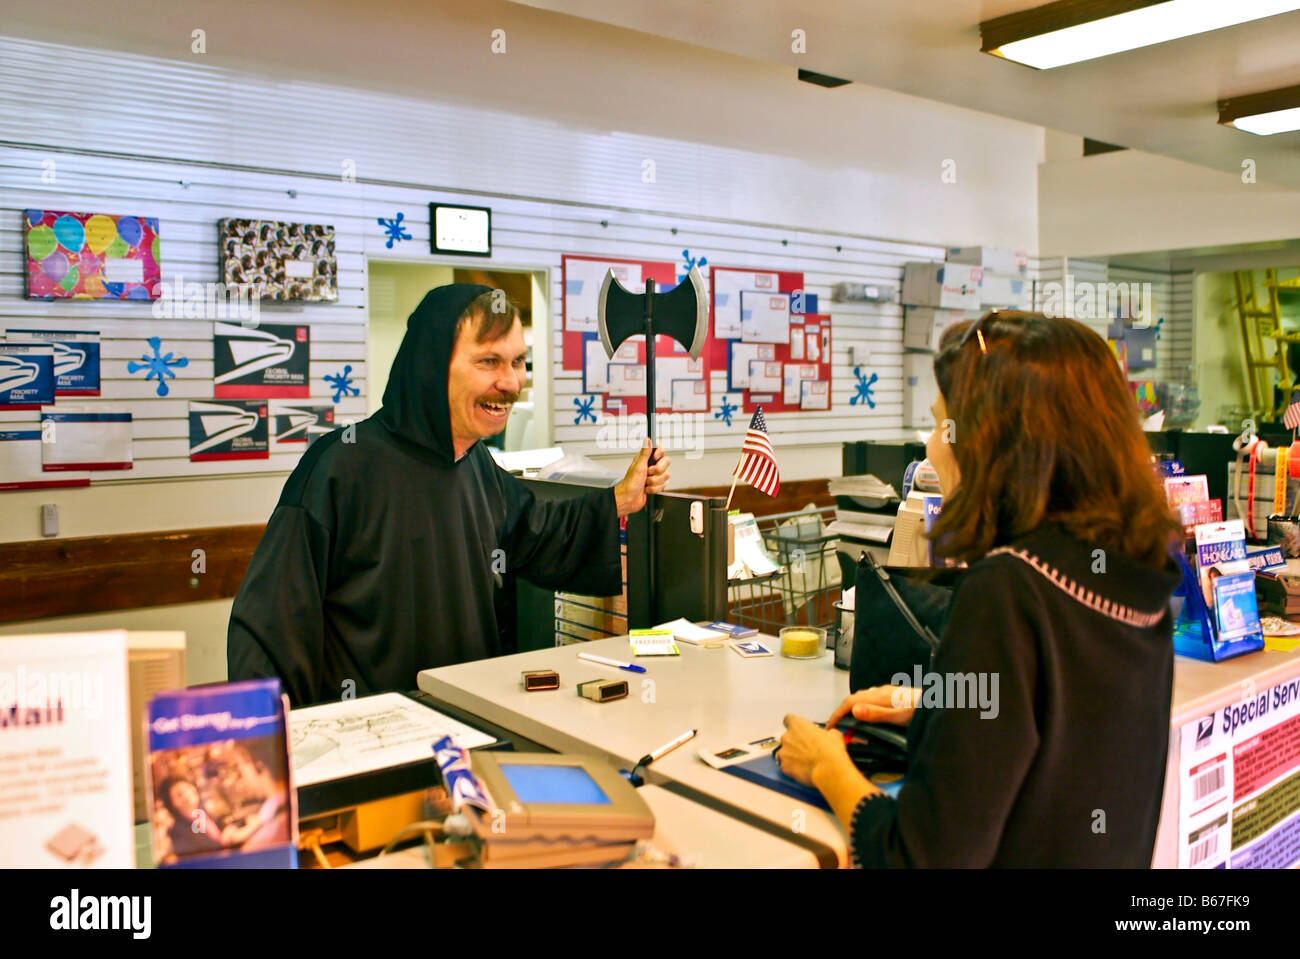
column 165, row 794
column 1044, row 429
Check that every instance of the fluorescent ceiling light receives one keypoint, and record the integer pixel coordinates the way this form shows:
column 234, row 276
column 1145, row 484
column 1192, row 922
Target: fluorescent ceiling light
column 1264, row 114
column 1070, row 31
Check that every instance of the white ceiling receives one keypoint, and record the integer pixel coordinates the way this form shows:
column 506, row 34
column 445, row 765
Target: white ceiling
column 1161, row 99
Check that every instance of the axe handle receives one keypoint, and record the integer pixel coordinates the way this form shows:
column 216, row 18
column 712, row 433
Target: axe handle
column 650, row 432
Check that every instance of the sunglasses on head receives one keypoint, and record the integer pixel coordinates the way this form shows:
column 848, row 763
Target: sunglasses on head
column 976, row 330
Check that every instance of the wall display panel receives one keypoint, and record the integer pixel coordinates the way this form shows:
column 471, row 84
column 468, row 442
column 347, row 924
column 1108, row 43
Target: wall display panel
column 91, row 255
column 272, row 260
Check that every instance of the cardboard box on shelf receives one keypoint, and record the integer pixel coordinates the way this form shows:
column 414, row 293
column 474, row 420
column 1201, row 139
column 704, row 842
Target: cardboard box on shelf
column 919, row 390
column 1005, row 292
column 945, row 285
column 992, row 259
column 924, row 325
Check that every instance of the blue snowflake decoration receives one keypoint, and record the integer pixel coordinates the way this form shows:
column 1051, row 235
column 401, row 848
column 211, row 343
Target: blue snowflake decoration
column 585, row 408
column 691, row 261
column 863, row 387
column 724, row 413
column 396, row 231
column 158, row 366
column 1159, row 323
column 341, row 383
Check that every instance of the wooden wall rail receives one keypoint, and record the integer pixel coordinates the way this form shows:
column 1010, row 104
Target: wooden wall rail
column 67, row 577
column 94, row 574
column 790, row 497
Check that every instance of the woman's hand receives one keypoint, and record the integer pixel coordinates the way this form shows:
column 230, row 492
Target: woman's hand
column 805, row 746
column 879, row 704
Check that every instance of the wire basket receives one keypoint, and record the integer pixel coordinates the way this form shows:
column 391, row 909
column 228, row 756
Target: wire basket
column 803, row 591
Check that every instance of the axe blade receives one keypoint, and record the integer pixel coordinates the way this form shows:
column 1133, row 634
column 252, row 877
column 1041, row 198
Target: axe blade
column 682, row 313
column 619, row 313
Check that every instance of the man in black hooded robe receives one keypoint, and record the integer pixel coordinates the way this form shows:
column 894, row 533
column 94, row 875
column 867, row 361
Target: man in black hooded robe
column 383, row 554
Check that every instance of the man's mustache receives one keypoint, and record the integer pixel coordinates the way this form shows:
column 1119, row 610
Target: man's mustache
column 500, row 398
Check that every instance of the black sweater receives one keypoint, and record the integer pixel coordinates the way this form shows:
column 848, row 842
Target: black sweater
column 1070, row 771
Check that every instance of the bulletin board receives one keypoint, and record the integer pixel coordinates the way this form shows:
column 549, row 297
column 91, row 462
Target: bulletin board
column 682, row 384
column 766, row 334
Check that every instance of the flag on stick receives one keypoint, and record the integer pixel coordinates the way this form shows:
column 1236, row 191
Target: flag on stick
column 757, row 465
column 1291, row 418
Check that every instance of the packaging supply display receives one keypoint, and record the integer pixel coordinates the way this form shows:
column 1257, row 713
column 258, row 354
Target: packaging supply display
column 994, row 259
column 76, row 358
column 85, row 438
column 91, row 256
column 272, row 260
column 269, row 361
column 22, row 466
column 1196, row 630
column 1005, row 292
column 301, row 421
column 27, row 379
column 948, row 286
column 924, row 326
column 229, row 430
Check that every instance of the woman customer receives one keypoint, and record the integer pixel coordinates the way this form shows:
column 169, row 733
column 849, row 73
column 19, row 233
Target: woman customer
column 1050, row 495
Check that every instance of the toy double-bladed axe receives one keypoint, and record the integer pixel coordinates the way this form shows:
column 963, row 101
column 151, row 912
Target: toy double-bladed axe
column 683, row 314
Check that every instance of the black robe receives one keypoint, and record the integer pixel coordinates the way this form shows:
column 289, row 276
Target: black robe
column 385, row 556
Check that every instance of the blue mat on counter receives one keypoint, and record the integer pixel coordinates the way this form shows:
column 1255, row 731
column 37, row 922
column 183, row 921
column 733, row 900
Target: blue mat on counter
column 765, row 770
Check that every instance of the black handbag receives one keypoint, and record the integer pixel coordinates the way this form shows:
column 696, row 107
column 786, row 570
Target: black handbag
column 897, row 622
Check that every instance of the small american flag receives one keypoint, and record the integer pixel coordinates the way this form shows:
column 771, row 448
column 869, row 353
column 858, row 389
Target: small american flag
column 757, row 465
column 1291, row 418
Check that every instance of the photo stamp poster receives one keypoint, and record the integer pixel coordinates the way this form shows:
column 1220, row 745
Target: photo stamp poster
column 219, row 776
column 279, row 261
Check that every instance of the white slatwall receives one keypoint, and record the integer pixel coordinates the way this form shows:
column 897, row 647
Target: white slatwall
column 1174, row 302
column 873, row 330
column 188, row 231
column 175, row 141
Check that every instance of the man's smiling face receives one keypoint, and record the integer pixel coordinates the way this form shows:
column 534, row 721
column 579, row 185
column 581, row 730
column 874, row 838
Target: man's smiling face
column 484, row 381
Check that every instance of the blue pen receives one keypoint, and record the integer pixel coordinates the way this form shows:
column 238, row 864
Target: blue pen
column 630, row 667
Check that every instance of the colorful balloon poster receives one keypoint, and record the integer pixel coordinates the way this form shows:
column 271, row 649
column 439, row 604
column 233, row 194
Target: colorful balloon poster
column 91, row 256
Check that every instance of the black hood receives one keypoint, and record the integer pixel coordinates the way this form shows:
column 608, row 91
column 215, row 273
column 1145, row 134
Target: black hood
column 415, row 399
